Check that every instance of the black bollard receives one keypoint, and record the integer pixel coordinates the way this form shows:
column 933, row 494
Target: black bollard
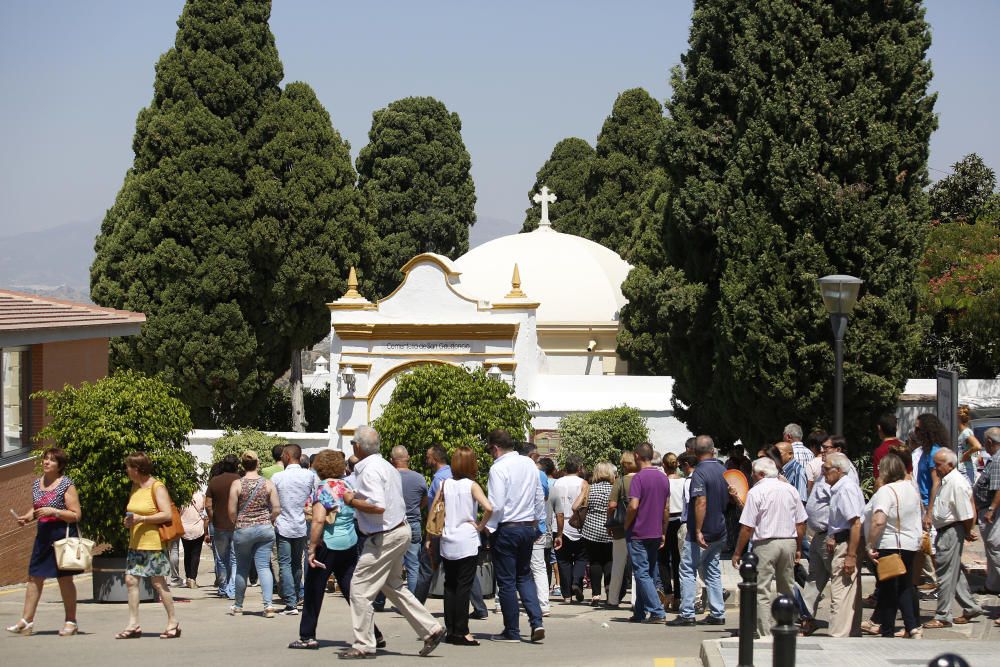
column 748, row 608
column 948, row 660
column 784, row 631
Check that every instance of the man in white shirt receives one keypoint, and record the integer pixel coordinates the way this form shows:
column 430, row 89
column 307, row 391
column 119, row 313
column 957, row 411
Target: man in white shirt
column 954, row 518
column 570, row 556
column 773, row 515
column 381, row 516
column 843, row 540
column 294, row 484
column 518, row 506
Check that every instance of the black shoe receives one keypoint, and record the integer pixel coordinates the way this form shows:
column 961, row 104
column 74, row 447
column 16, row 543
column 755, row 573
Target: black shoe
column 578, row 593
column 712, row 620
column 479, row 617
column 537, row 634
column 459, row 640
column 681, row 621
column 380, row 642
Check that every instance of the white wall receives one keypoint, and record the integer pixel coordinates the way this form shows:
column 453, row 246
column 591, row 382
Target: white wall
column 200, row 442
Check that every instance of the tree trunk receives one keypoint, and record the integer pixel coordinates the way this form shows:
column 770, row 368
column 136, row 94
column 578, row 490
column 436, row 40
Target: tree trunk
column 298, row 416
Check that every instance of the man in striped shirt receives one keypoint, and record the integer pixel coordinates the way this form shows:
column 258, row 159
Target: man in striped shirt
column 793, row 436
column 774, row 516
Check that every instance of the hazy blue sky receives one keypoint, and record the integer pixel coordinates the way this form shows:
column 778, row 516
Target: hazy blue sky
column 522, row 76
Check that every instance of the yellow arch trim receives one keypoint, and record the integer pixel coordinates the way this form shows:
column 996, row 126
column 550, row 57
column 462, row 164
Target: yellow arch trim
column 396, row 370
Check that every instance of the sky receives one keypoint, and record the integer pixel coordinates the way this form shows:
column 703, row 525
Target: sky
column 521, row 75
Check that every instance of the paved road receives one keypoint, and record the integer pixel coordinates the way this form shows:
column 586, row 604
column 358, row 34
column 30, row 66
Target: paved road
column 577, row 635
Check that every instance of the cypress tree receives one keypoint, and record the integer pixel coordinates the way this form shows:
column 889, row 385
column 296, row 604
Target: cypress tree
column 623, row 172
column 565, row 174
column 306, row 233
column 415, row 177
column 797, row 142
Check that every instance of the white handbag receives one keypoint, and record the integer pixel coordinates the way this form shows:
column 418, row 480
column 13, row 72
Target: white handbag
column 74, row 553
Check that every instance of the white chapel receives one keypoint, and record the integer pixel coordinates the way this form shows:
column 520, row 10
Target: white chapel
column 541, row 310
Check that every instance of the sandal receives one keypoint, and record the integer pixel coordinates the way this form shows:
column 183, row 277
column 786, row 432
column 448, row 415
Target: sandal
column 967, row 617
column 935, row 624
column 22, row 627
column 69, row 628
column 809, row 627
column 130, row 633
column 354, row 654
column 870, row 628
column 171, row 633
column 304, row 643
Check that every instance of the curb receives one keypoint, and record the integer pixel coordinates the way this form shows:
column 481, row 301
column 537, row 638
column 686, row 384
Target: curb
column 711, row 654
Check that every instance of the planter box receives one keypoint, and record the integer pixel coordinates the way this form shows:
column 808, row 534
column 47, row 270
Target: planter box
column 109, row 582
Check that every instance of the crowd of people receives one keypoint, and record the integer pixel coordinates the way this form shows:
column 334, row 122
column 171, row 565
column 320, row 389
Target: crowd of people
column 662, row 525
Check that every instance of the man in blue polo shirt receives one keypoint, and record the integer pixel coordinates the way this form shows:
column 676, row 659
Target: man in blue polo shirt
column 706, row 535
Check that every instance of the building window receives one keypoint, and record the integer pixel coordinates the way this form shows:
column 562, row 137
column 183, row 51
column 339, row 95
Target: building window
column 14, row 387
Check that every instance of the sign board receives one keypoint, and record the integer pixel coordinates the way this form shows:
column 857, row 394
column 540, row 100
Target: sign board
column 947, row 402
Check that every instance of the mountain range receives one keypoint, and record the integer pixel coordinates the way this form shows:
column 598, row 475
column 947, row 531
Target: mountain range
column 56, row 261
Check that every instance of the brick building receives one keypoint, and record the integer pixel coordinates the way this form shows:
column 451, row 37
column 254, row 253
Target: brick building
column 44, row 344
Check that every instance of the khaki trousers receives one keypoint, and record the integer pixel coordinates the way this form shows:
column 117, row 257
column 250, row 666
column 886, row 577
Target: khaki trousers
column 775, row 562
column 991, row 541
column 845, row 596
column 380, row 569
column 820, row 563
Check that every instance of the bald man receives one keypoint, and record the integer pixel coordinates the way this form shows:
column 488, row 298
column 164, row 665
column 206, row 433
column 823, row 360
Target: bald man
column 415, row 497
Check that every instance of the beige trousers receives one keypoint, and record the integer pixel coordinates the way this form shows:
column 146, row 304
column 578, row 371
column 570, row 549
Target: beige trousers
column 845, row 596
column 775, row 562
column 380, row 568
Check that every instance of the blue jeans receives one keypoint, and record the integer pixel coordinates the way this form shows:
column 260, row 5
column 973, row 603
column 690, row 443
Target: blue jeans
column 642, row 554
column 253, row 544
column 290, row 551
column 706, row 562
column 512, row 547
column 225, row 562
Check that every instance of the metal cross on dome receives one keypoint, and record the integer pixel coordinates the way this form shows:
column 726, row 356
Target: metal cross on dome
column 545, row 197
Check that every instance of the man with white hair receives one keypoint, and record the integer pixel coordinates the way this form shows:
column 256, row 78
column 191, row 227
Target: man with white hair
column 843, row 540
column 953, row 516
column 987, row 495
column 774, row 517
column 820, row 560
column 381, row 516
column 793, row 436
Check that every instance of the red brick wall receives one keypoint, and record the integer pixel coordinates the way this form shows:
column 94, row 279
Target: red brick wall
column 15, row 541
column 53, row 365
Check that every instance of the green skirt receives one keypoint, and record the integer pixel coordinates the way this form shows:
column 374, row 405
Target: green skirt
column 143, row 563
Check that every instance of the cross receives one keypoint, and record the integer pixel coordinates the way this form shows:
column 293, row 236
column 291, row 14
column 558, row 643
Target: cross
column 545, row 197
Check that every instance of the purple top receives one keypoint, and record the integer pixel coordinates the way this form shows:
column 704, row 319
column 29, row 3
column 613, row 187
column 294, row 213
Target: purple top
column 652, row 488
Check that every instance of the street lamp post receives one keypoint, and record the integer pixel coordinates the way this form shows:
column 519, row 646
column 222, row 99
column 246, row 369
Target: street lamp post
column 840, row 293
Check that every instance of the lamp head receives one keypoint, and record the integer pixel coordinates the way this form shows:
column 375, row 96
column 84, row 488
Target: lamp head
column 350, row 379
column 839, row 293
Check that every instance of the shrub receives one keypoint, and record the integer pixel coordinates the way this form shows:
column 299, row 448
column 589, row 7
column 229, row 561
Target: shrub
column 446, row 405
column 601, row 435
column 237, row 442
column 99, row 424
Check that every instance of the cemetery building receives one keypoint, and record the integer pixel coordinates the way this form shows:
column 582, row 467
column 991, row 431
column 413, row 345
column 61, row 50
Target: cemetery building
column 541, row 310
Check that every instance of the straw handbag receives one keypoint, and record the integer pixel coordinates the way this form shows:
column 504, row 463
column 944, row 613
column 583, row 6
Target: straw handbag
column 892, row 566
column 73, row 553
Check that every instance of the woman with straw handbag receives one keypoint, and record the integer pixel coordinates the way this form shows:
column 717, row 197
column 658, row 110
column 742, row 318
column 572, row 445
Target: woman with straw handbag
column 57, row 511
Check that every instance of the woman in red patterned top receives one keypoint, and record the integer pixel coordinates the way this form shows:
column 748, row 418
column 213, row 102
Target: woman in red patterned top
column 56, row 509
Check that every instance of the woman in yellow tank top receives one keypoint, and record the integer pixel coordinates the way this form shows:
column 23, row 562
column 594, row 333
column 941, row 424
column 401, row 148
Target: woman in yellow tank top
column 148, row 507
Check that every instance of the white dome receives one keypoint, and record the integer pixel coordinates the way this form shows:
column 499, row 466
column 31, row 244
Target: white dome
column 573, row 278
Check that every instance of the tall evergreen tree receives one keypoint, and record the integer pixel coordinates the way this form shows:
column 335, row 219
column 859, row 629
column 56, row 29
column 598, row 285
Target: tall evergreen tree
column 307, row 229
column 565, row 174
column 797, row 142
column 236, row 222
column 623, row 172
column 415, row 177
